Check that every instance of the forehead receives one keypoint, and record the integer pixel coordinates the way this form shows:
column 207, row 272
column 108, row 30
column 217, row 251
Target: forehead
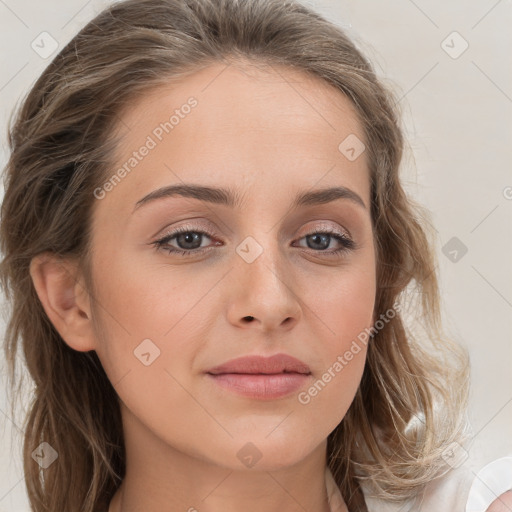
column 242, row 124
column 236, row 93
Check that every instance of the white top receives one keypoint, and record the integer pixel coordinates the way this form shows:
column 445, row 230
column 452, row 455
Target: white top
column 461, row 490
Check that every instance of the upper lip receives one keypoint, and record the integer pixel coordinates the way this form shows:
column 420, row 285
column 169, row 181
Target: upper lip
column 278, row 363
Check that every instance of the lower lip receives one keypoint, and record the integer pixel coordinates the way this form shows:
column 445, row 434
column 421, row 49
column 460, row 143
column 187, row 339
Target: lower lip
column 261, row 387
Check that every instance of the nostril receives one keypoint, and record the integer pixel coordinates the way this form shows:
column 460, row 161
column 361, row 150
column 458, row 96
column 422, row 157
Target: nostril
column 248, row 318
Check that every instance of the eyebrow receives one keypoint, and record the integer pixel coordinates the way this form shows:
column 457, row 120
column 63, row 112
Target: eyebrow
column 230, row 198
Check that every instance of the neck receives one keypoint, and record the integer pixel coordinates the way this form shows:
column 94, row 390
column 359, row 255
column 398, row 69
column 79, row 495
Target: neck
column 162, row 478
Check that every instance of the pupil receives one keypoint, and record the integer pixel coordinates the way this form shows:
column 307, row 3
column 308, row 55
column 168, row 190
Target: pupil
column 318, row 238
column 190, row 238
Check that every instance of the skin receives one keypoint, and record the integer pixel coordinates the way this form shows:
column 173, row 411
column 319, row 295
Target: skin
column 269, row 133
column 501, row 504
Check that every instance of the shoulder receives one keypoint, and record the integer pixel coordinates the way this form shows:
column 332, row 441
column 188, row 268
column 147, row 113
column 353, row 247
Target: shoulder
column 446, row 494
column 460, row 490
column 490, row 490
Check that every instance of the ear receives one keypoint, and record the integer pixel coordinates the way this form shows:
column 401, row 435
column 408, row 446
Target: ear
column 62, row 292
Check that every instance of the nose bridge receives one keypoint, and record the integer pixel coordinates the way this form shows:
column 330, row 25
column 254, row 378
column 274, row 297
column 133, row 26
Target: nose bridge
column 262, row 260
column 259, row 231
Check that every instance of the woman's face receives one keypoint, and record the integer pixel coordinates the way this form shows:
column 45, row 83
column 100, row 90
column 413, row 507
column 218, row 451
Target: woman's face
column 251, row 274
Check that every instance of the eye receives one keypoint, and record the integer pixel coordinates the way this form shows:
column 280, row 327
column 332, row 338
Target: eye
column 189, row 241
column 187, row 237
column 321, row 240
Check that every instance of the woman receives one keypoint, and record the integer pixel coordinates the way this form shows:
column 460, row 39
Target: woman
column 211, row 260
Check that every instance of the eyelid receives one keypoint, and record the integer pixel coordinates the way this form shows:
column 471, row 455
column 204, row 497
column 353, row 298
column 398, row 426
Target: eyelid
column 172, row 232
column 186, row 228
column 324, row 225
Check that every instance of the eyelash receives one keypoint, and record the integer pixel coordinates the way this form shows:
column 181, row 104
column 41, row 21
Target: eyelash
column 347, row 243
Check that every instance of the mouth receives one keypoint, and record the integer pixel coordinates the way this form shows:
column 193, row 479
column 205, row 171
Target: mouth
column 261, row 378
column 261, row 386
column 255, row 364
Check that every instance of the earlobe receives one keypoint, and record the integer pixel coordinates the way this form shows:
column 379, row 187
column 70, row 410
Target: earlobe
column 63, row 295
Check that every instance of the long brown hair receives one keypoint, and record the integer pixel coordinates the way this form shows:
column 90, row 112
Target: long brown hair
column 411, row 400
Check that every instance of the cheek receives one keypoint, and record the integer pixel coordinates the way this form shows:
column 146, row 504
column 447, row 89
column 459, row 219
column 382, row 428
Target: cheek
column 345, row 303
column 345, row 308
column 169, row 306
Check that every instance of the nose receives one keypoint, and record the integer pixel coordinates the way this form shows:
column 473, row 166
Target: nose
column 263, row 294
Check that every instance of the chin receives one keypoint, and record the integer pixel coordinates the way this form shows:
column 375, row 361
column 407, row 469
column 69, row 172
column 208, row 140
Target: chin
column 261, row 453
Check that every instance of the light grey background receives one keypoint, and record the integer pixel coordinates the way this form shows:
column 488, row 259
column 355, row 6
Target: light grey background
column 457, row 109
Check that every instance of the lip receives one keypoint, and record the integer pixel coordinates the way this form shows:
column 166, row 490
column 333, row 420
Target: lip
column 278, row 363
column 261, row 378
